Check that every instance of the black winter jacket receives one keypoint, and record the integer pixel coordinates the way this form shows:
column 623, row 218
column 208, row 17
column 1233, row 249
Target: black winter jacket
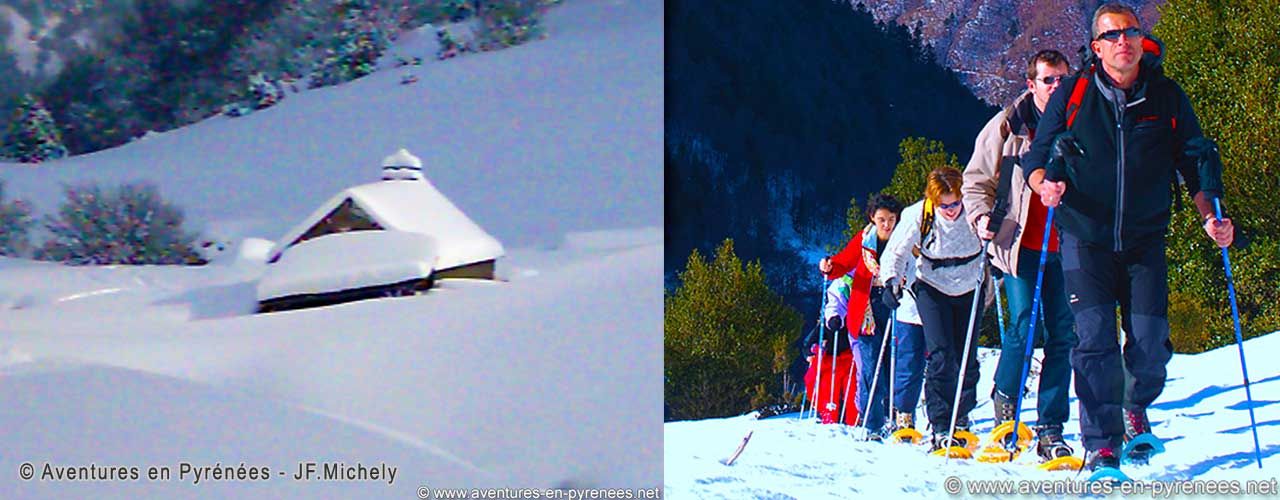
column 1119, row 195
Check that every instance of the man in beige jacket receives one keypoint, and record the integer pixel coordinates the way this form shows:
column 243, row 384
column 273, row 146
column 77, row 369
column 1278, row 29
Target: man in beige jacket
column 994, row 175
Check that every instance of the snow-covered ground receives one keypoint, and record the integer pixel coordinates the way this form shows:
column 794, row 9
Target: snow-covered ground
column 1202, row 416
column 550, row 378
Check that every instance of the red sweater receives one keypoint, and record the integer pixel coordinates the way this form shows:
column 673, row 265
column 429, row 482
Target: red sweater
column 1033, row 236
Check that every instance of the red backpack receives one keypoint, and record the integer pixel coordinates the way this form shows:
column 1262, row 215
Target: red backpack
column 1077, row 93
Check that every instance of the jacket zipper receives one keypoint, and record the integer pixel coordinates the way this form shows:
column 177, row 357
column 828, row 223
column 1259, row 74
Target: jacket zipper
column 1119, row 172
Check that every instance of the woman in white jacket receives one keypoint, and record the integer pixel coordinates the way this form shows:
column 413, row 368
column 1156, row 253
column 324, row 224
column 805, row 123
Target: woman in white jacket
column 948, row 270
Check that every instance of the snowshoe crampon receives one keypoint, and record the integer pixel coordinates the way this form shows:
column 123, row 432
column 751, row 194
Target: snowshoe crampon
column 954, row 452
column 1068, row 462
column 995, row 453
column 1139, row 449
column 907, row 435
column 1002, row 447
column 968, row 440
column 1002, row 432
column 960, row 445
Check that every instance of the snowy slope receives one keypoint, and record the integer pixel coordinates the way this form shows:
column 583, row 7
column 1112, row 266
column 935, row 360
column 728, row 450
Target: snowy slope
column 522, row 140
column 1202, row 416
column 547, row 379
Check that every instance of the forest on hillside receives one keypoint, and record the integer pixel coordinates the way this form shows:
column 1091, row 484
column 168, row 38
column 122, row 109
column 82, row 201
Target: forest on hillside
column 108, row 71
column 777, row 113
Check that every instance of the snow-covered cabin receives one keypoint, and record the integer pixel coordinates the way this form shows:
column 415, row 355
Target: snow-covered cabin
column 403, row 202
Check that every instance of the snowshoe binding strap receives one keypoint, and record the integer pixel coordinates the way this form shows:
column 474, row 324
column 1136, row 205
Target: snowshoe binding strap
column 1065, row 463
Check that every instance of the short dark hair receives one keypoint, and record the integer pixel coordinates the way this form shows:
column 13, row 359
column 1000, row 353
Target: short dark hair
column 1047, row 56
column 1111, row 8
column 883, row 201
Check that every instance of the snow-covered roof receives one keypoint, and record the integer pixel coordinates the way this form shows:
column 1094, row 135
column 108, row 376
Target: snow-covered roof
column 348, row 261
column 416, row 207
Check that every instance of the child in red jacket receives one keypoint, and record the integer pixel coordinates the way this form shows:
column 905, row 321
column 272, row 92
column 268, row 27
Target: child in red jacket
column 832, row 369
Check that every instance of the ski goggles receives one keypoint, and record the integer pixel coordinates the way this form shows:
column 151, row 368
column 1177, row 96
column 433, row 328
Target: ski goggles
column 1114, row 35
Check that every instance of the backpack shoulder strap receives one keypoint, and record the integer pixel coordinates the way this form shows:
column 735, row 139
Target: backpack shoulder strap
column 926, row 225
column 1077, row 95
column 1003, row 185
column 926, row 220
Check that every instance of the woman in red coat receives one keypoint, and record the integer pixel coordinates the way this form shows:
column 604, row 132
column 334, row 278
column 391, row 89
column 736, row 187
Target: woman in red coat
column 866, row 315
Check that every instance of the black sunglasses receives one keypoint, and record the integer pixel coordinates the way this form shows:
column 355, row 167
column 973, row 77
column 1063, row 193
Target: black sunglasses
column 1050, row 80
column 1113, row 35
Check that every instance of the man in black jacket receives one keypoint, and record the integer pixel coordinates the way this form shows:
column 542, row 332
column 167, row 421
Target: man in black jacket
column 1114, row 159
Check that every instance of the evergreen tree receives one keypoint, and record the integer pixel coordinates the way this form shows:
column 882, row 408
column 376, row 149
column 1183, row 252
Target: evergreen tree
column 15, row 222
column 359, row 43
column 33, row 137
column 919, row 157
column 1226, row 56
column 91, row 100
column 725, row 336
column 507, row 23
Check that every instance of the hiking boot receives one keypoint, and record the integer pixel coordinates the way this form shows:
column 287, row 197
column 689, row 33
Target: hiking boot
column 962, row 423
column 903, row 420
column 942, row 441
column 1049, row 442
column 1099, row 458
column 1135, row 424
column 1003, row 408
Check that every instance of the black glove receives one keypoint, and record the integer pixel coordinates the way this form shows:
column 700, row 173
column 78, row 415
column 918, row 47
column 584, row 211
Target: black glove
column 834, row 323
column 996, row 217
column 1208, row 164
column 1063, row 156
column 891, row 297
column 836, row 341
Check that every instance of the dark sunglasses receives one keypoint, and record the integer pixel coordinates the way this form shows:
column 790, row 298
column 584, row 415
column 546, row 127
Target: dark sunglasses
column 954, row 204
column 1114, row 35
column 1050, row 80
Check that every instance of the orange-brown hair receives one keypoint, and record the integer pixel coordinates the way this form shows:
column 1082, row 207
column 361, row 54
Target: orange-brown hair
column 943, row 180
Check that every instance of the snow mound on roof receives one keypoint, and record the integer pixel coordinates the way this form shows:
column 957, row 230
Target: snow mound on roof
column 348, row 261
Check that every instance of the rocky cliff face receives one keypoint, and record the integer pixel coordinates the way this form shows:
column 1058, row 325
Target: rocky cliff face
column 988, row 42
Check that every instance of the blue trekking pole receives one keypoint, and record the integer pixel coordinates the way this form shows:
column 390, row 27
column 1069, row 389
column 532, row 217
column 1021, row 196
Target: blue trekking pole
column 1235, row 316
column 999, row 311
column 1031, row 331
